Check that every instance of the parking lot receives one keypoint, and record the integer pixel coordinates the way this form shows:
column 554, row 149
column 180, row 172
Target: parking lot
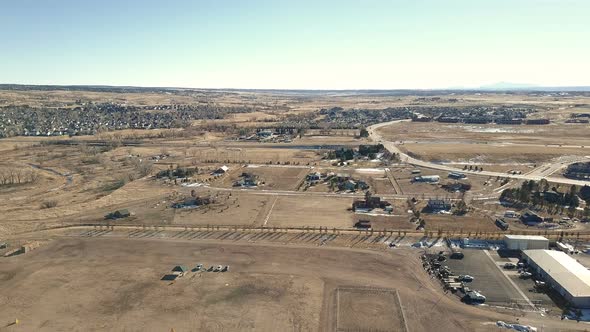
column 488, row 279
column 491, row 280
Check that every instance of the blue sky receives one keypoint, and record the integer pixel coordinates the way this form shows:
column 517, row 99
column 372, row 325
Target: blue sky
column 297, row 44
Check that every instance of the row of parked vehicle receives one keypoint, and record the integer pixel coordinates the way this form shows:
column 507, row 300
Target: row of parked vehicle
column 524, row 273
column 433, row 264
column 181, row 270
column 522, row 269
column 212, row 268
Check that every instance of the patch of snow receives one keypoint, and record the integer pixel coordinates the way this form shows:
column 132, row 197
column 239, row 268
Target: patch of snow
column 370, row 170
column 516, row 327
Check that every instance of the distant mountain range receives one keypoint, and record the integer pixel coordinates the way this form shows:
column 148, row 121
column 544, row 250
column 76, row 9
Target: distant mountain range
column 507, row 86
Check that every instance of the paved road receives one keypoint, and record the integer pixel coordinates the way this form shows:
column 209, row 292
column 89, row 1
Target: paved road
column 316, row 194
column 535, row 175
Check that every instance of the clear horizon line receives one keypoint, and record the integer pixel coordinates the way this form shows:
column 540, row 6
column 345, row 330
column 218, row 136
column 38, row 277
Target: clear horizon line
column 485, row 87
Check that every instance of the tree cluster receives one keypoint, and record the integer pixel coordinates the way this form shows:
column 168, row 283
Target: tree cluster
column 15, row 176
column 540, row 194
column 178, row 172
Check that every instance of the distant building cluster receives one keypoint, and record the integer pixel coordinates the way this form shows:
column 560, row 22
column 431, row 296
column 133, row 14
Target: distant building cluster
column 479, row 115
column 340, row 118
column 580, row 171
column 89, row 118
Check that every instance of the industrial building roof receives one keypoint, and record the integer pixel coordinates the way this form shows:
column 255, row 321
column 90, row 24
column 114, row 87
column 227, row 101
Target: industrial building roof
column 566, row 271
column 525, row 237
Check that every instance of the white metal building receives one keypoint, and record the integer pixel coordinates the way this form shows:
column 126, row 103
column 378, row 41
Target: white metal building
column 526, row 242
column 563, row 273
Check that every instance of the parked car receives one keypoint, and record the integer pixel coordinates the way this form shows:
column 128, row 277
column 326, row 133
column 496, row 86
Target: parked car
column 474, row 297
column 467, row 278
column 457, row 255
column 526, row 275
column 225, row 268
column 509, row 266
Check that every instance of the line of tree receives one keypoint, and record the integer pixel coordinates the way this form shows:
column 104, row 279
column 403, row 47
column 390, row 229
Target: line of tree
column 178, row 172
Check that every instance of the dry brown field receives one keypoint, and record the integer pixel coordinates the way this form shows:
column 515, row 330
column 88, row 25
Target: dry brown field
column 483, row 153
column 238, row 209
column 552, row 134
column 97, row 284
column 299, row 211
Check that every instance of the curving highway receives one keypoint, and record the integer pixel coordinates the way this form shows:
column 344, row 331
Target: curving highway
column 536, row 175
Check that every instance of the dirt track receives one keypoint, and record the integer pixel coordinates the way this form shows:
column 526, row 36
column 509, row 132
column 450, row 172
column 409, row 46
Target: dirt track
column 99, row 284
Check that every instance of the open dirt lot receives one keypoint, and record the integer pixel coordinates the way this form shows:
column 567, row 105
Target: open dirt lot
column 570, row 134
column 311, row 211
column 368, row 309
column 483, row 153
column 238, row 209
column 112, row 284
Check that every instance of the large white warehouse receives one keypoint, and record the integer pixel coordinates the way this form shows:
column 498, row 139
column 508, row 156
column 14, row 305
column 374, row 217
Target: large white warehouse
column 563, row 273
column 525, row 242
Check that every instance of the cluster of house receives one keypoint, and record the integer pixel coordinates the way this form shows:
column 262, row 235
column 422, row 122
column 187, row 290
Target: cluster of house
column 370, row 203
column 337, row 117
column 282, row 134
column 531, row 218
column 580, row 171
column 474, row 115
column 488, row 119
column 192, row 202
column 248, row 180
column 344, row 182
column 89, row 118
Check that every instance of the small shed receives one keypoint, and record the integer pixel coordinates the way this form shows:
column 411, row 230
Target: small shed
column 221, row 170
column 438, row 204
column 180, row 269
column 122, row 213
column 349, row 185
